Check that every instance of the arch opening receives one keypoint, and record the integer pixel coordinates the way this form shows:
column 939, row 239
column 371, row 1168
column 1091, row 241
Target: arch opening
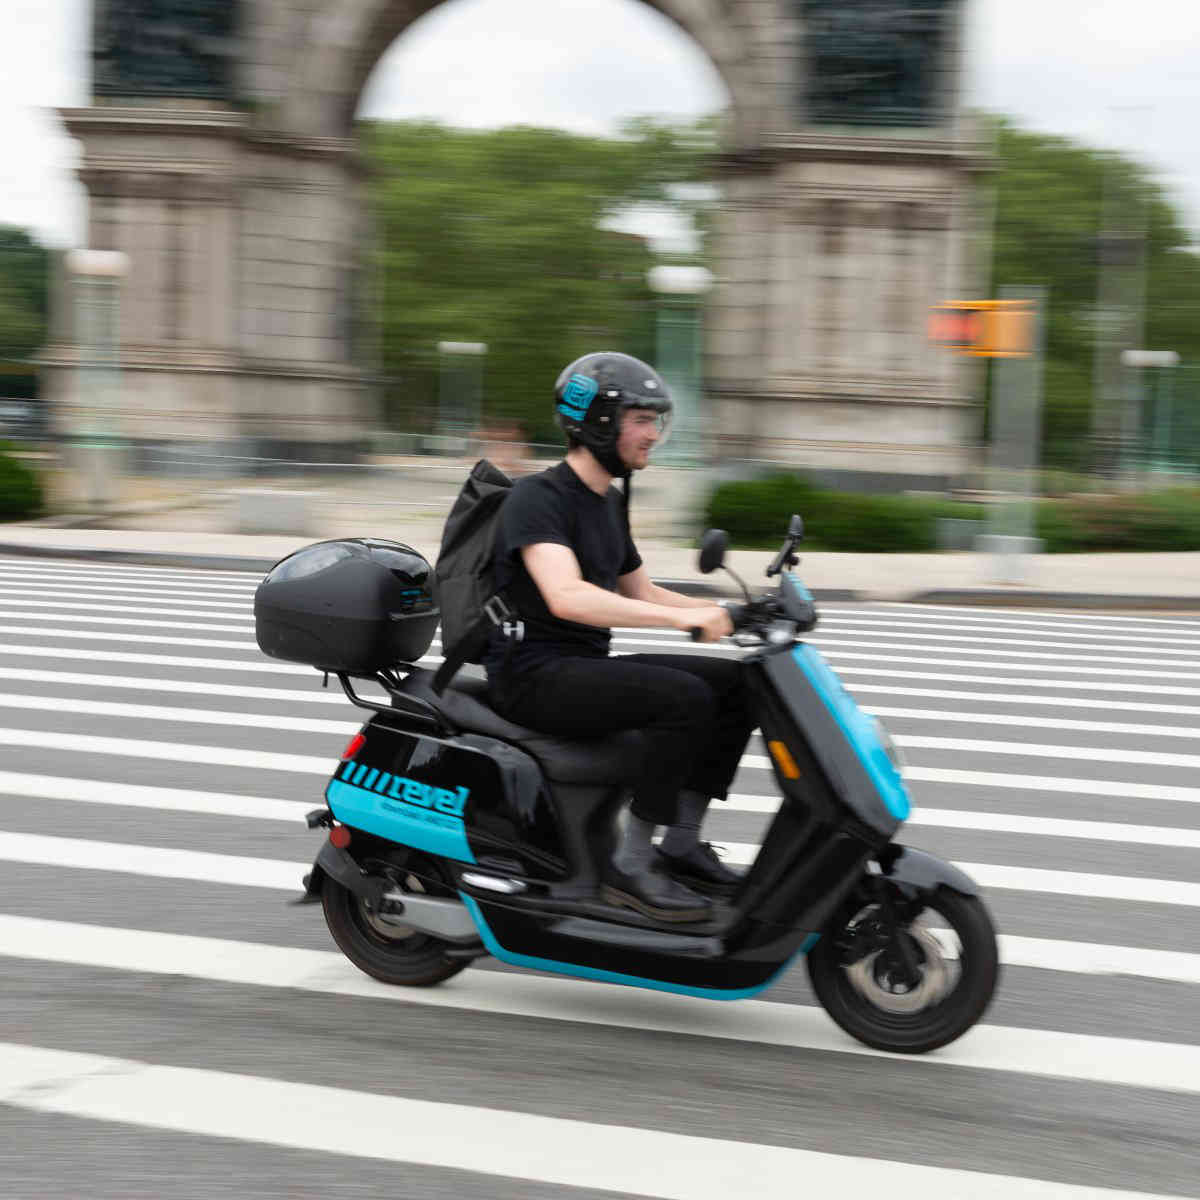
column 481, row 145
column 585, row 59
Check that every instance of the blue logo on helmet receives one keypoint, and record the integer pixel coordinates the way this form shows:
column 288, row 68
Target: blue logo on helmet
column 577, row 396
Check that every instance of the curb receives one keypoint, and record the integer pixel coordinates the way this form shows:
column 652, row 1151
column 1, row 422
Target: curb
column 694, row 587
column 1010, row 599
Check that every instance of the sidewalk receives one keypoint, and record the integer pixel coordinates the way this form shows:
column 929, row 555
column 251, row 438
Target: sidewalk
column 1151, row 581
column 188, row 522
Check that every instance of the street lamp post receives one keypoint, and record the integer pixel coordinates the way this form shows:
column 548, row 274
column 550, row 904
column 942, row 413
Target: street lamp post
column 460, row 388
column 1161, row 362
column 679, row 353
column 97, row 289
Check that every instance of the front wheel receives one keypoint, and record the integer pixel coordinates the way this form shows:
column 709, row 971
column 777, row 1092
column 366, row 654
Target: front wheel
column 386, row 949
column 907, row 981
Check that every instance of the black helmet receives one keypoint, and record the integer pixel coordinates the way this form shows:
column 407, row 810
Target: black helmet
column 591, row 393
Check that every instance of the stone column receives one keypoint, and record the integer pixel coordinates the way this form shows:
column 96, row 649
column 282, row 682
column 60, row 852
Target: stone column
column 237, row 313
column 162, row 188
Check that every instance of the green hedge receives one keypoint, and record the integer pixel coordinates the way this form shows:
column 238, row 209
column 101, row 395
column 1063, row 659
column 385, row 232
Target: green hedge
column 756, row 514
column 1167, row 520
column 20, row 488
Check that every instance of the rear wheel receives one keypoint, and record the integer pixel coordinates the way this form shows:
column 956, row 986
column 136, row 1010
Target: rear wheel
column 907, row 978
column 384, row 948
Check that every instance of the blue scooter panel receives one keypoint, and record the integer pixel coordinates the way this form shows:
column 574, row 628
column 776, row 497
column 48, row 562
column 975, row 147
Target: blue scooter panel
column 843, row 740
column 681, row 962
column 402, row 810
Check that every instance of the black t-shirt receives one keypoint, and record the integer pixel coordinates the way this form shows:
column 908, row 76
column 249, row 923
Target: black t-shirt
column 557, row 506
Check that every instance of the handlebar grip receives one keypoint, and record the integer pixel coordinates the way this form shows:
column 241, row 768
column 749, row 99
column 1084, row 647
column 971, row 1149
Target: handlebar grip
column 697, row 633
column 738, row 614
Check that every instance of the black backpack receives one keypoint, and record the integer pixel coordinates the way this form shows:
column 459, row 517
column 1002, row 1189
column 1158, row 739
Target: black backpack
column 466, row 591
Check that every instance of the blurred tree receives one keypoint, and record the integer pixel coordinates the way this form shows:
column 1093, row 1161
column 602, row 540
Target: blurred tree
column 1049, row 197
column 499, row 237
column 24, row 308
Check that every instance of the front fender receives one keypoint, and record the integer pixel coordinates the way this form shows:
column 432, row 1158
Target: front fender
column 919, row 875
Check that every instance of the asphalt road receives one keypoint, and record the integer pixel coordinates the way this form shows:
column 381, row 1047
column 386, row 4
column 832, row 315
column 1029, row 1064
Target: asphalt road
column 170, row 1027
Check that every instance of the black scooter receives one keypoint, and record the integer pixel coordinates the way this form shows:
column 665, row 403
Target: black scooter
column 454, row 834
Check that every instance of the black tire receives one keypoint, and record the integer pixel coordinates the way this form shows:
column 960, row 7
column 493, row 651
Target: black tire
column 389, row 953
column 948, row 1015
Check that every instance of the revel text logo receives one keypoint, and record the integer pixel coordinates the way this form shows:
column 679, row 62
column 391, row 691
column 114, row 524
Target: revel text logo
column 410, row 791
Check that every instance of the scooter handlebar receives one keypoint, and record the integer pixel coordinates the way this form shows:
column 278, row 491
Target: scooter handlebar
column 737, row 614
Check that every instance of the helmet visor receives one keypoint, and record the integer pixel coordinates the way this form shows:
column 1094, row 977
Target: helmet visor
column 656, row 414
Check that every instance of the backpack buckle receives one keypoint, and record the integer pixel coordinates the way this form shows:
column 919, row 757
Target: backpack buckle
column 498, row 612
column 504, row 618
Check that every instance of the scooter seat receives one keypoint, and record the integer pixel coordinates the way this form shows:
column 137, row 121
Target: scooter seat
column 615, row 759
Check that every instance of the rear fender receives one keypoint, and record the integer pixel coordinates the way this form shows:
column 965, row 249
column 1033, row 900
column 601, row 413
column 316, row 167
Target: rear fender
column 337, row 864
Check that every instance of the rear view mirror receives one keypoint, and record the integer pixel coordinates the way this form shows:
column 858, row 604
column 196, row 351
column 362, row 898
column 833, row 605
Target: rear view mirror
column 796, row 527
column 712, row 550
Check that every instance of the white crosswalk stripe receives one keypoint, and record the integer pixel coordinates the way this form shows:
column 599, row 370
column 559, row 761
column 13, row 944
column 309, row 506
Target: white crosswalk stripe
column 949, row 716
column 134, row 618
column 20, row 595
column 1032, row 664
column 944, row 818
column 340, row 1121
column 1128, row 1062
column 17, row 783
column 158, row 577
column 192, row 687
column 152, row 796
column 861, row 679
column 162, row 712
column 257, row 665
column 928, row 626
column 1003, row 616
column 55, row 632
column 205, row 867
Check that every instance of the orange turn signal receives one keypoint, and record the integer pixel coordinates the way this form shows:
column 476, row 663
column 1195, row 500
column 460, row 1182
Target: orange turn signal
column 784, row 760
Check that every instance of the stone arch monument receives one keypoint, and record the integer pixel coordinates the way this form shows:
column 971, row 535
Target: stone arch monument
column 219, row 153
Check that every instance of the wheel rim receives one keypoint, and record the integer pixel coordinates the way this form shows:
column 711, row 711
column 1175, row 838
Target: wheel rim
column 401, row 877
column 877, row 980
column 881, row 979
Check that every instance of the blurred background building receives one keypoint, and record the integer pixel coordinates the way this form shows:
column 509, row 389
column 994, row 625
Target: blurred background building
column 264, row 231
column 291, row 276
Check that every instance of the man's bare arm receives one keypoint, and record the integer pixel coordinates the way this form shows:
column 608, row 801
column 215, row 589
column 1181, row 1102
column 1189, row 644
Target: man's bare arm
column 570, row 597
column 638, row 585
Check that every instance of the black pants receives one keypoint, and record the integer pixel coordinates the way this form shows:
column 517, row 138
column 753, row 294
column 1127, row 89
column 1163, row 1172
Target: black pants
column 692, row 709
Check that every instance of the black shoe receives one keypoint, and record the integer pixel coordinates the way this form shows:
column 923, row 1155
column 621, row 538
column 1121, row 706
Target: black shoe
column 653, row 894
column 701, row 868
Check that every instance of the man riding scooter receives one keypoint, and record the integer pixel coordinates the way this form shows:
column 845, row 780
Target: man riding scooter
column 565, row 557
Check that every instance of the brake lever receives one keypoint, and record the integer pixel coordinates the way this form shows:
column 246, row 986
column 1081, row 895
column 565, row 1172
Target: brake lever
column 787, row 557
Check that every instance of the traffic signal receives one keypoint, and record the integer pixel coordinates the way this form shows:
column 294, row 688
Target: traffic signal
column 985, row 328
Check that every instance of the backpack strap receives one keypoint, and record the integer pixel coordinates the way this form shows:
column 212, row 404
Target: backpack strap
column 497, row 614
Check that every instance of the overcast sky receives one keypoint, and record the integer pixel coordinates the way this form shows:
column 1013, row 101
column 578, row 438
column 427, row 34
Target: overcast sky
column 1108, row 72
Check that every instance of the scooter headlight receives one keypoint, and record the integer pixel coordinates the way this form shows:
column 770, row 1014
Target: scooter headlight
column 894, row 753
